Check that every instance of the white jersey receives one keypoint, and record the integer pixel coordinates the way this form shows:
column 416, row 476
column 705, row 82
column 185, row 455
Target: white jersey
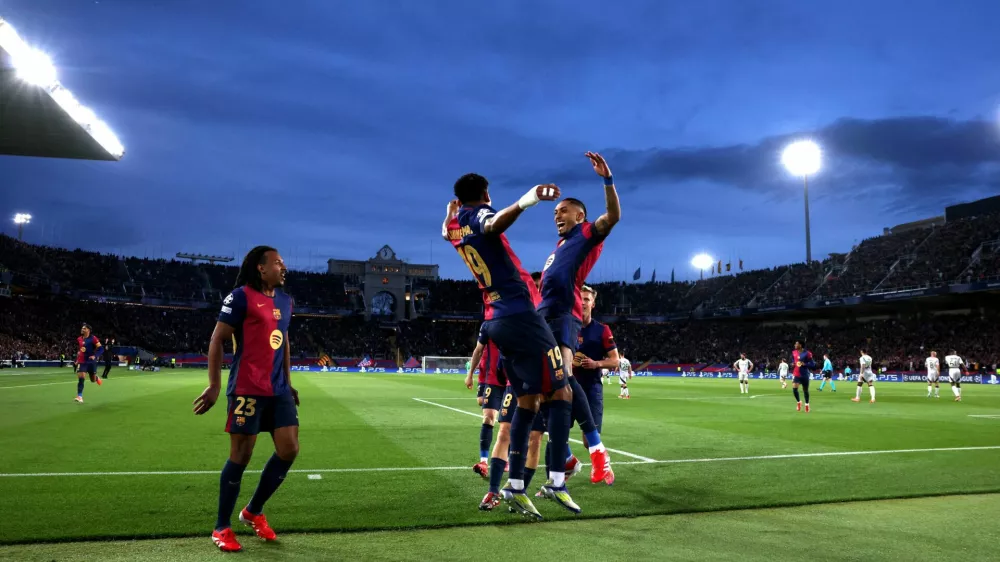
column 866, row 363
column 783, row 369
column 933, row 365
column 954, row 363
column 744, row 366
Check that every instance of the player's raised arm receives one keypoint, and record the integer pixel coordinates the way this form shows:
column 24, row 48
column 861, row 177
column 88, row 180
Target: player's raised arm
column 453, row 207
column 501, row 221
column 613, row 212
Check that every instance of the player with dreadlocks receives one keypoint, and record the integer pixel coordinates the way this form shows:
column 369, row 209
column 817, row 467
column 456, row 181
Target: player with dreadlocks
column 260, row 395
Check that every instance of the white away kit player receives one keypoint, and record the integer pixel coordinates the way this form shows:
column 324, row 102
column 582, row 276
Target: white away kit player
column 624, row 374
column 783, row 373
column 956, row 368
column 743, row 367
column 933, row 373
column 865, row 375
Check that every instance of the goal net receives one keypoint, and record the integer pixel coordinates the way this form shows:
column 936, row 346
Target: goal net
column 445, row 365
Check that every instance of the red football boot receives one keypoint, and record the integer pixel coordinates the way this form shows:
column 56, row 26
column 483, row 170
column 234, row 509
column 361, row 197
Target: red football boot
column 600, row 466
column 259, row 525
column 798, row 406
column 481, row 469
column 226, row 540
column 490, row 501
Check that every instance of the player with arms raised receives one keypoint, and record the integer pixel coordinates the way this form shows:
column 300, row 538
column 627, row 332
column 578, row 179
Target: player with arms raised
column 533, row 364
column 743, row 367
column 783, row 372
column 260, row 395
column 933, row 374
column 801, row 373
column 865, row 375
column 956, row 368
column 86, row 359
column 580, row 244
column 487, row 357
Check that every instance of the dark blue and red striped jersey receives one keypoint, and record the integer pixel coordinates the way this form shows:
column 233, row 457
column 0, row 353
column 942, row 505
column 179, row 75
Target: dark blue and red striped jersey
column 489, row 364
column 507, row 288
column 87, row 348
column 567, row 269
column 595, row 341
column 802, row 362
column 261, row 330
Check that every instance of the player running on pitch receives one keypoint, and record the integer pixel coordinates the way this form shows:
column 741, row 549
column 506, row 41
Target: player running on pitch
column 865, row 375
column 259, row 393
column 533, row 364
column 956, row 368
column 580, row 245
column 86, row 359
column 933, row 374
column 743, row 367
column 783, row 372
column 827, row 374
column 804, row 363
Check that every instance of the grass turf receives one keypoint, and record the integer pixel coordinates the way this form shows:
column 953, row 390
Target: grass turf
column 387, row 461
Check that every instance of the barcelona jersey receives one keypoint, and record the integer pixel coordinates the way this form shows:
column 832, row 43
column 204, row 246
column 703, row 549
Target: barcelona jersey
column 87, row 348
column 567, row 269
column 260, row 326
column 595, row 341
column 507, row 288
column 802, row 362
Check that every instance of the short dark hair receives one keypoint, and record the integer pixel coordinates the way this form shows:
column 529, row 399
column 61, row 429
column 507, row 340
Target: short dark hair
column 578, row 203
column 87, row 326
column 471, row 188
column 248, row 274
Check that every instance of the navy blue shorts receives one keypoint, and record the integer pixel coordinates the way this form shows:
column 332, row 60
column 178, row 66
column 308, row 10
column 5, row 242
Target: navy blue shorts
column 481, row 391
column 566, row 329
column 250, row 415
column 595, row 398
column 803, row 381
column 508, row 406
column 88, row 367
column 532, row 360
column 493, row 397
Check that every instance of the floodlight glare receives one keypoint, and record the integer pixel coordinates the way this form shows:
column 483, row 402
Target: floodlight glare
column 802, row 158
column 702, row 261
column 22, row 218
column 35, row 67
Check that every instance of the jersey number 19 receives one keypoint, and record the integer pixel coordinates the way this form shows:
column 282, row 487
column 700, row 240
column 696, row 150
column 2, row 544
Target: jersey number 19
column 476, row 265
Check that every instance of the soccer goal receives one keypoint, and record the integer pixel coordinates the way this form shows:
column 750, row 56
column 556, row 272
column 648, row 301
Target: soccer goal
column 440, row 365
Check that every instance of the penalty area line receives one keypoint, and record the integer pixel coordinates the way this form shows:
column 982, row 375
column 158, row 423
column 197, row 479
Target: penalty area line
column 480, row 415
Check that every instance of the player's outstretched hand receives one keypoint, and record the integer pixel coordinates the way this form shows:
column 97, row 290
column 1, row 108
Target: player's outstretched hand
column 600, row 165
column 547, row 192
column 207, row 399
column 468, row 381
column 453, row 207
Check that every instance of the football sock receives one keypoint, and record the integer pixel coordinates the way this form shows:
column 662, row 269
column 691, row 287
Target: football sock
column 805, row 393
column 871, row 390
column 485, row 438
column 858, row 395
column 520, row 429
column 833, row 385
column 795, row 392
column 548, row 457
column 822, row 384
column 529, row 473
column 560, row 419
column 584, row 417
column 496, row 473
column 229, row 491
column 930, row 389
column 79, row 387
column 272, row 477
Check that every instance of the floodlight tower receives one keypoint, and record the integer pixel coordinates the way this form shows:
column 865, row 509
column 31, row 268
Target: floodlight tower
column 701, row 262
column 21, row 219
column 803, row 158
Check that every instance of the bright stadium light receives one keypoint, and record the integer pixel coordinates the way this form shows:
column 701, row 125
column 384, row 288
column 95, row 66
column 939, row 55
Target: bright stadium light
column 21, row 219
column 701, row 262
column 35, row 67
column 803, row 158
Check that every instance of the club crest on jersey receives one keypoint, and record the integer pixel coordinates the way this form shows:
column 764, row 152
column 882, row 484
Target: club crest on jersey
column 277, row 313
column 548, row 262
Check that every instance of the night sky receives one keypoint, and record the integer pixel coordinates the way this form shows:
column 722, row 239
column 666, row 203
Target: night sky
column 329, row 128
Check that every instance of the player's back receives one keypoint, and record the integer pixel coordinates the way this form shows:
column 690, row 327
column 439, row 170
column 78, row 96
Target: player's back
column 933, row 364
column 567, row 268
column 866, row 362
column 507, row 288
column 953, row 361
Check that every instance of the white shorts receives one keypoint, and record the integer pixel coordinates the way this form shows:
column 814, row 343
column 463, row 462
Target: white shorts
column 744, row 377
column 623, row 378
column 782, row 376
column 866, row 376
column 955, row 375
column 932, row 376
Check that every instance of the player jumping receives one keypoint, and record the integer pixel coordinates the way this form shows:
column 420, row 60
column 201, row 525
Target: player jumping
column 804, row 363
column 533, row 364
column 259, row 392
column 487, row 357
column 865, row 375
column 933, row 374
column 783, row 372
column 956, row 368
column 827, row 374
column 580, row 244
column 86, row 359
column 743, row 367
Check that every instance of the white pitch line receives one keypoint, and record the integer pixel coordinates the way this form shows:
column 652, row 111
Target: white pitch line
column 616, row 451
column 441, row 468
column 988, row 416
column 66, row 382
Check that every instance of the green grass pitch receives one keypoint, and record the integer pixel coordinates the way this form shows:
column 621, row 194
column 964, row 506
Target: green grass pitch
column 133, row 462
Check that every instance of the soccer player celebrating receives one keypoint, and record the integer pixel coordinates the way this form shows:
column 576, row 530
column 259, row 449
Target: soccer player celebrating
column 580, row 244
column 933, row 373
column 865, row 375
column 596, row 351
column 783, row 372
column 487, row 357
column 743, row 367
column 827, row 374
column 956, row 368
column 533, row 364
column 804, row 363
column 260, row 394
column 86, row 359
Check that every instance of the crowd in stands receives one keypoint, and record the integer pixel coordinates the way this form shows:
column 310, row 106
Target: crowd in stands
column 945, row 254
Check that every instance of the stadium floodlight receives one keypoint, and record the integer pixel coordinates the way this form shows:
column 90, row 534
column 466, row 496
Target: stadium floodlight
column 35, row 67
column 21, row 219
column 803, row 158
column 701, row 262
